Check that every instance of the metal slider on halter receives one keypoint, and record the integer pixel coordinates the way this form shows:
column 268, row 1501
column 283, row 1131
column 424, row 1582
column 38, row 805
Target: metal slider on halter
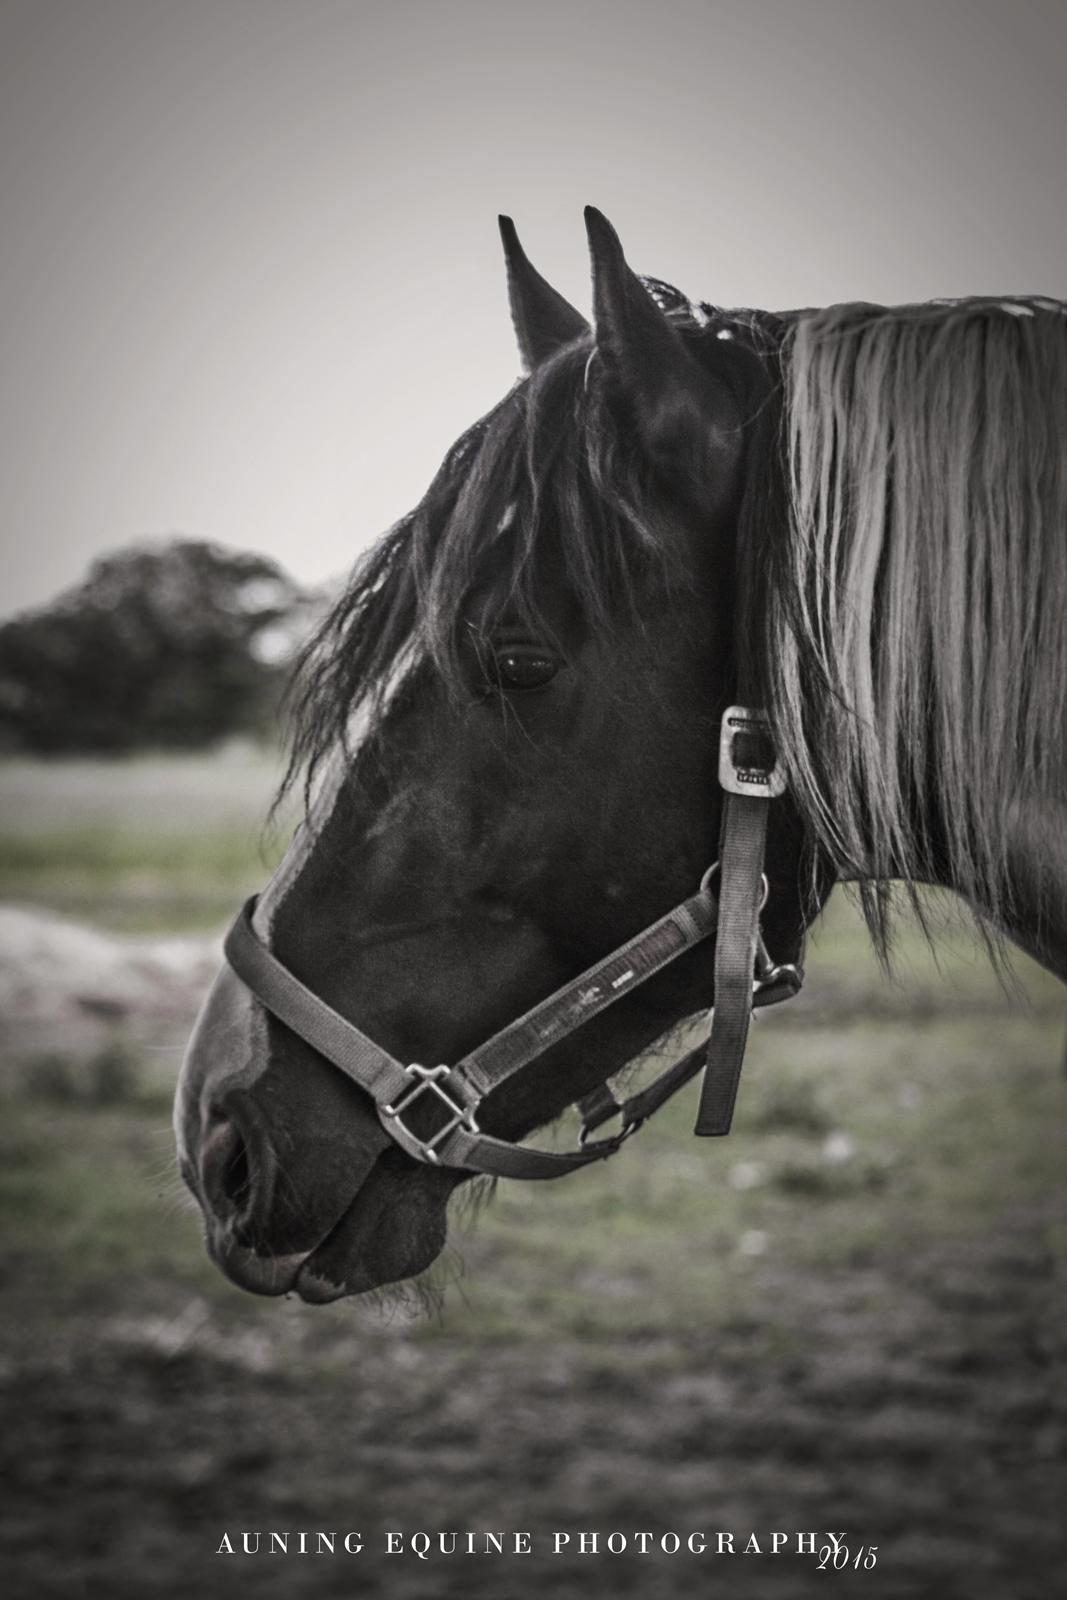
column 726, row 904
column 431, row 1081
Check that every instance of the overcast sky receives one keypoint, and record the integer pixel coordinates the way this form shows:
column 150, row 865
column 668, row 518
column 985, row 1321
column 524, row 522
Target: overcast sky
column 250, row 285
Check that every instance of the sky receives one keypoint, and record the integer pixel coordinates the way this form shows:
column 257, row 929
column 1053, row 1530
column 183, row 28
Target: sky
column 250, row 280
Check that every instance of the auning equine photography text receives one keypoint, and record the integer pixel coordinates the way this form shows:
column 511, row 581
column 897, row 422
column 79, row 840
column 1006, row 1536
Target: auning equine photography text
column 831, row 1549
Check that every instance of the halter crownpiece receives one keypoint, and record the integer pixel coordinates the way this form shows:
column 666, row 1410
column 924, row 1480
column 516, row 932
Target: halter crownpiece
column 727, row 904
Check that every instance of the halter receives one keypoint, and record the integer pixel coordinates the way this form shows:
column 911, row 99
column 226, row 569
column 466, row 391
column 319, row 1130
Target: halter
column 727, row 903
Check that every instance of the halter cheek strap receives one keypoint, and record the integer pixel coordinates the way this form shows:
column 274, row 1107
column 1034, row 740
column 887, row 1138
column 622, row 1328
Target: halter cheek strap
column 746, row 978
column 751, row 776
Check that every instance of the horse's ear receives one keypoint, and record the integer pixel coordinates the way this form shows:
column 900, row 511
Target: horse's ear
column 681, row 409
column 544, row 321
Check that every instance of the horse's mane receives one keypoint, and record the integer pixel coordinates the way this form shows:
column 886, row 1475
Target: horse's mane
column 914, row 643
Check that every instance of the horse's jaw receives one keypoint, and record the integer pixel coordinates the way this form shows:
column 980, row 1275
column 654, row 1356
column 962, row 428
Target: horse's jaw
column 393, row 1230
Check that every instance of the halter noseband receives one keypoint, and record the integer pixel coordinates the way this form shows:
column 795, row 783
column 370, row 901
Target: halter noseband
column 745, row 978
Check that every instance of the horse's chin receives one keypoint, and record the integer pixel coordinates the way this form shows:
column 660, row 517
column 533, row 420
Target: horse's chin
column 393, row 1229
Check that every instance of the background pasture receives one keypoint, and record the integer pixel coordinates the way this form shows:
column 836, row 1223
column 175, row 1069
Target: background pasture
column 850, row 1315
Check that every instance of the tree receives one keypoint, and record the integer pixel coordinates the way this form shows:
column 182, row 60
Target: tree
column 162, row 646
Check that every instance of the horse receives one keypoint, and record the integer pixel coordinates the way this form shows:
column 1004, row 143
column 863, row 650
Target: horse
column 714, row 609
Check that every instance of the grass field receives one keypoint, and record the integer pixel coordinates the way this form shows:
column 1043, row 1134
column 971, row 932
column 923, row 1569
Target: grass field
column 153, row 843
column 849, row 1315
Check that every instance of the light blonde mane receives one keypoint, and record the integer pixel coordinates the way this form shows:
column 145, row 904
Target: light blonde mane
column 918, row 638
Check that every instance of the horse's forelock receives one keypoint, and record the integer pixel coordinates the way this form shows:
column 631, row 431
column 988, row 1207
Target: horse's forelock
column 915, row 644
column 544, row 473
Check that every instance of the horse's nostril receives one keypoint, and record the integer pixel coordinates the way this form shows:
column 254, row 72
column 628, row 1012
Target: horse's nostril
column 231, row 1174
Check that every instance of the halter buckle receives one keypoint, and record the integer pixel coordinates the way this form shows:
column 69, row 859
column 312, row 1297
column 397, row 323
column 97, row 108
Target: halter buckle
column 431, row 1080
column 748, row 761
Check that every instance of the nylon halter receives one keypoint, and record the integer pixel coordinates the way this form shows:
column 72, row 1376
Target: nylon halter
column 727, row 903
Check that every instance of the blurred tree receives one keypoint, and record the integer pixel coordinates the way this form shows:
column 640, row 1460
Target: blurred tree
column 162, row 646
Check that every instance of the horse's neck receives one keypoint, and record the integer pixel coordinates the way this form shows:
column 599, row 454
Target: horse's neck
column 1038, row 861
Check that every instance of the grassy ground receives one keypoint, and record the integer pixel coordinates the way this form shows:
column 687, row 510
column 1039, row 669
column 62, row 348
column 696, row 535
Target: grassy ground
column 155, row 843
column 848, row 1316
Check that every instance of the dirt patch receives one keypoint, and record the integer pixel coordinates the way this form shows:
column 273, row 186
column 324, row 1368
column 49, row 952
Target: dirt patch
column 52, row 970
column 921, row 1413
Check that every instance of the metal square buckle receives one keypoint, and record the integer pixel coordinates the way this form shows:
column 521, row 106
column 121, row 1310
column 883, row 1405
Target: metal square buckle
column 738, row 772
column 462, row 1115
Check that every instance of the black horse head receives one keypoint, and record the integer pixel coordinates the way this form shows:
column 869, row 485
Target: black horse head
column 513, row 714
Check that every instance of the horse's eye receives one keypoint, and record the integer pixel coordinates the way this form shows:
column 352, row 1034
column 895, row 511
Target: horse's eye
column 516, row 668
